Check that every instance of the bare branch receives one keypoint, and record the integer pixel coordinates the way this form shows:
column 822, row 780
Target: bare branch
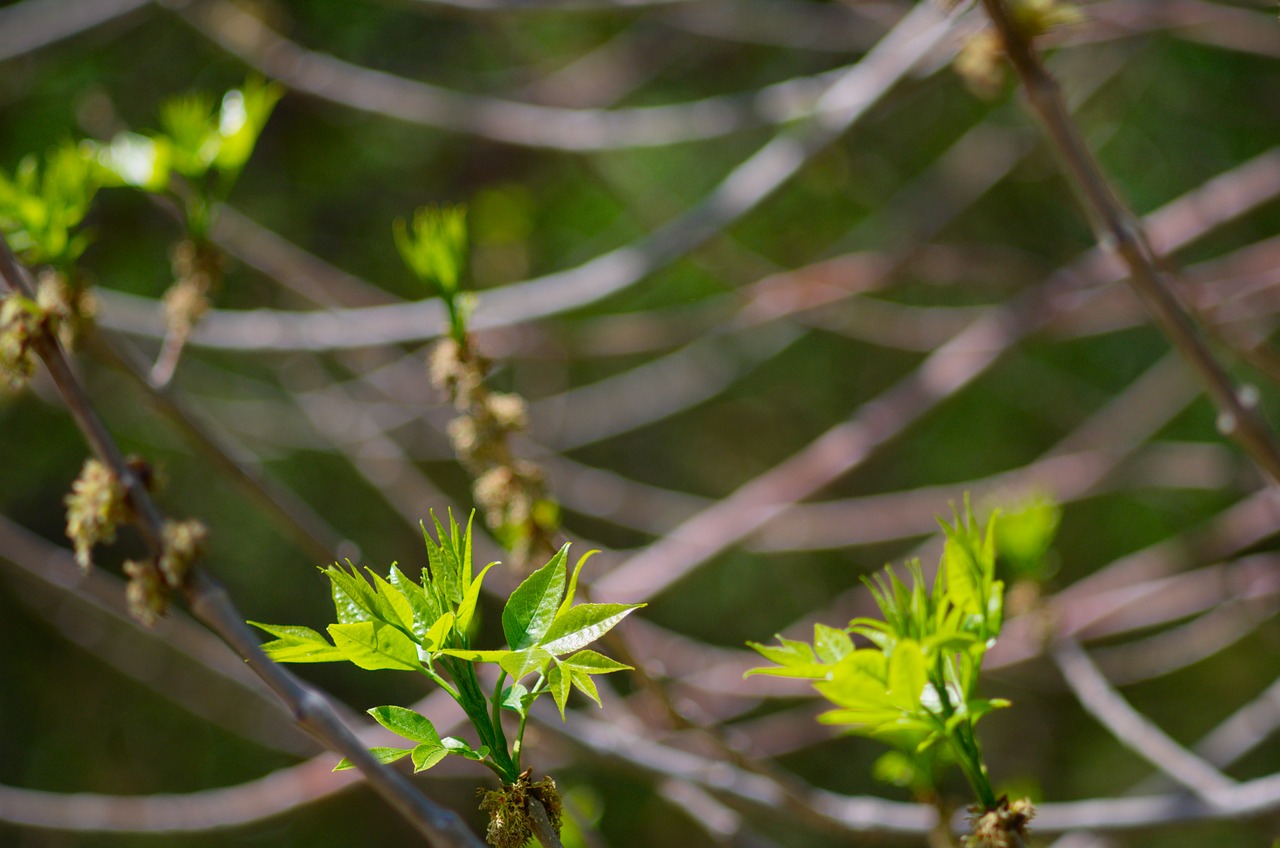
column 1131, row 728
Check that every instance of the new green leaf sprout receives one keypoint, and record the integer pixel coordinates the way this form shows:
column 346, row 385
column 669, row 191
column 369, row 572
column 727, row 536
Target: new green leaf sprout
column 915, row 685
column 401, row 625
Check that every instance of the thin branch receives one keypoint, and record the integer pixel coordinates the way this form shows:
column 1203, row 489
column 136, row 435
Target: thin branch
column 1132, row 729
column 210, row 603
column 29, row 26
column 1121, row 233
column 844, row 102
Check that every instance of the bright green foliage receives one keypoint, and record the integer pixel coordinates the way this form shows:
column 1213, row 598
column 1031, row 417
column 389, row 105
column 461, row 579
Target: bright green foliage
column 916, row 686
column 1024, row 534
column 43, row 203
column 207, row 145
column 434, row 247
column 401, row 625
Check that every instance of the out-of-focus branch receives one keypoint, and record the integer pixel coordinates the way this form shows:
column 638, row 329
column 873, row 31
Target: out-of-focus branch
column 1132, row 729
column 847, row 99
column 29, row 26
column 320, row 541
column 1120, row 232
column 210, row 602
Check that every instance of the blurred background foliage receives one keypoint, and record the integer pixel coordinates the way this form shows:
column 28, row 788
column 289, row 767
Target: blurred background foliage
column 1167, row 102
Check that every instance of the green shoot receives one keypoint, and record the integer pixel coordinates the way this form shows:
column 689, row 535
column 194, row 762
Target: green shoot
column 915, row 688
column 401, row 625
column 434, row 247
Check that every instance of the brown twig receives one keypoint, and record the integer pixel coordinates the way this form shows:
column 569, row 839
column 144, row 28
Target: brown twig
column 210, row 602
column 1120, row 232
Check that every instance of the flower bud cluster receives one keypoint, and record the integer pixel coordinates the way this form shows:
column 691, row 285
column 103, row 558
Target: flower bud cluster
column 97, row 504
column 21, row 322
column 70, row 309
column 1005, row 826
column 197, row 268
column 510, row 492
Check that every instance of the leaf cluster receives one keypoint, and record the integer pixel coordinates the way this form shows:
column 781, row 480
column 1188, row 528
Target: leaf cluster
column 44, row 202
column 401, row 625
column 915, row 686
column 434, row 247
column 207, row 145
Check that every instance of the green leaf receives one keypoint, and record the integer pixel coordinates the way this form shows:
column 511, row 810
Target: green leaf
column 591, row 662
column 573, row 582
column 964, row 586
column 393, row 606
column 513, row 698
column 802, row 672
column 426, row 755
column 382, row 755
column 582, row 625
column 559, row 683
column 298, row 644
column 437, row 633
column 907, row 677
column 476, row 656
column 374, row 645
column 532, row 607
column 426, row 610
column 584, row 684
column 519, row 664
column 434, row 246
column 241, row 117
column 789, row 652
column 353, row 599
column 135, row 160
column 407, row 723
column 454, row 745
column 467, row 609
column 831, row 645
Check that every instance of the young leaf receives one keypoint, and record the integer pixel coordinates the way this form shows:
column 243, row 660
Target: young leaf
column 353, row 599
column 582, row 625
column 382, row 755
column 583, row 683
column 298, row 644
column 573, row 582
column 393, row 606
column 591, row 662
column 831, row 645
column 454, row 745
column 558, row 682
column 426, row 755
column 437, row 633
column 513, row 698
column 532, row 607
column 467, row 609
column 426, row 611
column 518, row 664
column 407, row 723
column 374, row 645
column 907, row 676
column 477, row 656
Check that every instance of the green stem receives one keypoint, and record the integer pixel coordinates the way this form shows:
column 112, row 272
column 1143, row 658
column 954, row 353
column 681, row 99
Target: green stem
column 495, row 716
column 442, row 683
column 963, row 741
column 524, row 717
column 472, row 701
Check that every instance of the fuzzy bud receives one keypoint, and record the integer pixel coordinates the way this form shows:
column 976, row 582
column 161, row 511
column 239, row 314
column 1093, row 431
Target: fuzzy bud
column 21, row 322
column 97, row 504
column 147, row 593
column 184, row 543
column 508, row 411
column 1004, row 826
